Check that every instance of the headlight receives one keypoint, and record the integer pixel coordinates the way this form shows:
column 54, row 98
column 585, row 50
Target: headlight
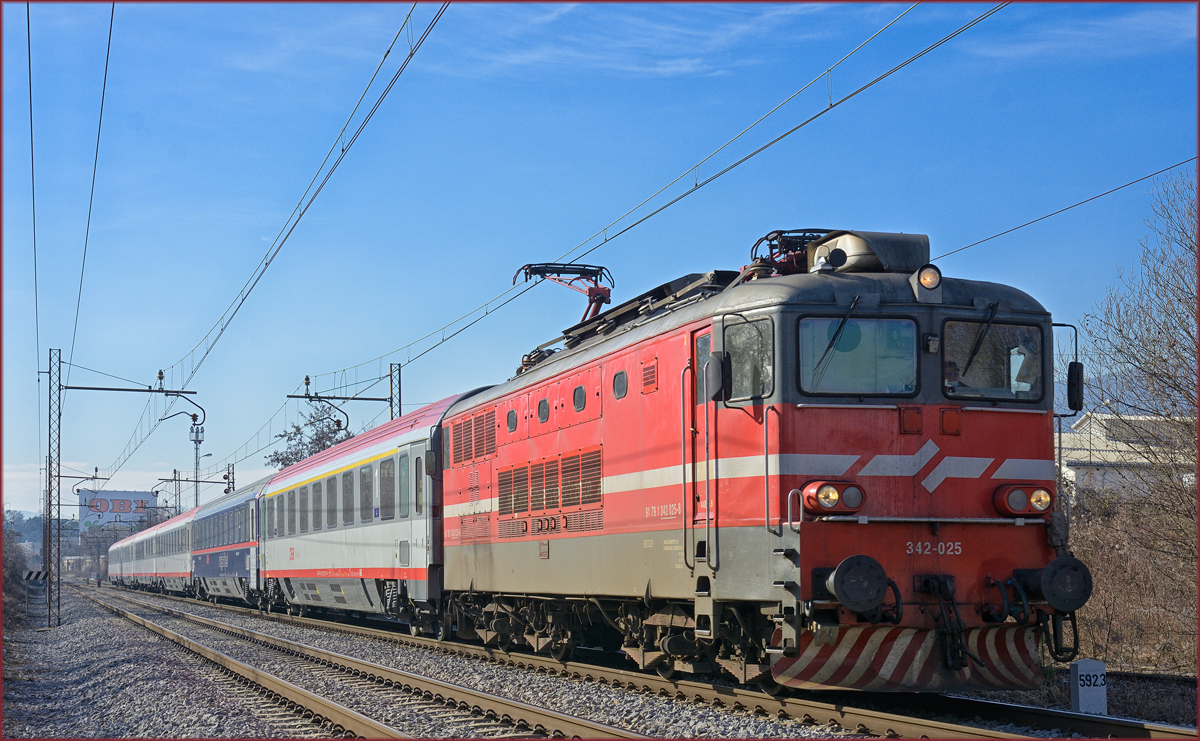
column 852, row 497
column 929, row 277
column 827, row 496
column 1040, row 500
column 1017, row 499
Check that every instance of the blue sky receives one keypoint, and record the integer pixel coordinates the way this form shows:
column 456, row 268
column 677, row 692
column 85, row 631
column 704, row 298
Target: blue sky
column 516, row 133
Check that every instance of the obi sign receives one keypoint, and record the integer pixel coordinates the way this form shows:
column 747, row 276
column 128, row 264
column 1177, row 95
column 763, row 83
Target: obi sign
column 97, row 508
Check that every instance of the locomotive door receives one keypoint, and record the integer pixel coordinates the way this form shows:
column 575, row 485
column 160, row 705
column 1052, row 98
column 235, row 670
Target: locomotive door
column 703, row 495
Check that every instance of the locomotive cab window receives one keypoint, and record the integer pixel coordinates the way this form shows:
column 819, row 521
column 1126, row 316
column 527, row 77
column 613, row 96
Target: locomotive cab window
column 543, row 410
column 984, row 360
column 620, row 385
column 751, row 349
column 512, row 420
column 579, row 398
column 858, row 357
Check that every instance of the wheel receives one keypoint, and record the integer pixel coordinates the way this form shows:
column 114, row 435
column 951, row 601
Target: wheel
column 666, row 669
column 441, row 629
column 770, row 686
column 563, row 650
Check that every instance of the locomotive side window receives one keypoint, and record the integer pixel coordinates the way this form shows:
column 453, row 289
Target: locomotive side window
column 304, row 509
column 859, row 357
column 620, row 385
column 318, row 513
column 348, row 498
column 291, row 512
column 703, row 349
column 992, row 361
column 387, row 489
column 751, row 351
column 366, row 494
column 512, row 420
column 419, row 481
column 403, row 485
column 331, row 493
column 579, row 398
column 543, row 410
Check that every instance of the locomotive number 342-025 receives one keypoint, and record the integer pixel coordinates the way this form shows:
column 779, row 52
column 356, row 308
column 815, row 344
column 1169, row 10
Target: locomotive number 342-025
column 925, row 547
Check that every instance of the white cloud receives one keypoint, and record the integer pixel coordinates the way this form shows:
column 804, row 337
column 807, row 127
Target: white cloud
column 1140, row 31
column 651, row 40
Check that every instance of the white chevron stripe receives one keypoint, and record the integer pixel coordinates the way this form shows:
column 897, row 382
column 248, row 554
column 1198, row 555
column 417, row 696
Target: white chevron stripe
column 900, row 465
column 1025, row 468
column 956, row 468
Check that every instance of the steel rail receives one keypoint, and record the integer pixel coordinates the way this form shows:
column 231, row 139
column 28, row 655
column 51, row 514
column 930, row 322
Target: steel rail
column 551, row 722
column 868, row 721
column 322, row 708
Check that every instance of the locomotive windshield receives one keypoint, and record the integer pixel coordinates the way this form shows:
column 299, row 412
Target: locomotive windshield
column 871, row 356
column 992, row 361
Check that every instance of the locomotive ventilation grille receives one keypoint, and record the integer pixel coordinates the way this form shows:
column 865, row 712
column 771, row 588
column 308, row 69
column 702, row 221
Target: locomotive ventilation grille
column 569, row 481
column 476, row 527
column 474, row 437
column 580, row 521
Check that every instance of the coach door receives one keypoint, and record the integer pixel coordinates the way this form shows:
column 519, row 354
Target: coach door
column 699, row 470
column 419, row 518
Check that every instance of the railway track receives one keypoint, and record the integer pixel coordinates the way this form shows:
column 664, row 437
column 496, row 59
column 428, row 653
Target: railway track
column 877, row 714
column 462, row 710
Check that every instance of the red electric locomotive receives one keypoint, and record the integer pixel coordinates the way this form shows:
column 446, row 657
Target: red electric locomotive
column 832, row 469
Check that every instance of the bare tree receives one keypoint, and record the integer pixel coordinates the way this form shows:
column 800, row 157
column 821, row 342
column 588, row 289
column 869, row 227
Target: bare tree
column 319, row 431
column 1140, row 348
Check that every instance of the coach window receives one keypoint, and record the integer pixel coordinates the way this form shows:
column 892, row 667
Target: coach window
column 304, row 509
column 348, row 498
column 620, row 385
column 331, row 493
column 270, row 519
column 419, row 481
column 543, row 410
column 237, row 525
column 751, row 357
column 387, row 488
column 579, row 398
column 403, row 486
column 366, row 494
column 291, row 512
column 280, row 520
column 318, row 513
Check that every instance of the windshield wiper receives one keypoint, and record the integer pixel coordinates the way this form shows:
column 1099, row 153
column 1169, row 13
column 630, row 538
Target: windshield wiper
column 818, row 374
column 979, row 340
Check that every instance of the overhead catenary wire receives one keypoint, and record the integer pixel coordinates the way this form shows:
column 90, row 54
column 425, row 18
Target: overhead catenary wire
column 92, row 194
column 989, row 13
column 150, row 418
column 486, row 306
column 1068, row 208
column 37, row 322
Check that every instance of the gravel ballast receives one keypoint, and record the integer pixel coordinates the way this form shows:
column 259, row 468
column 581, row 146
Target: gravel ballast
column 649, row 715
column 97, row 675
